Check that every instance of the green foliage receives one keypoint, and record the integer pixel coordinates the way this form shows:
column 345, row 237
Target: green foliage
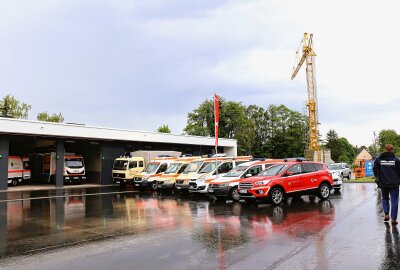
column 341, row 149
column 275, row 132
column 389, row 136
column 10, row 107
column 46, row 117
column 164, row 129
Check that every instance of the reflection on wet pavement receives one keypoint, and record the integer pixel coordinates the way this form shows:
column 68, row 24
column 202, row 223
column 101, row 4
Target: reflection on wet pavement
column 168, row 231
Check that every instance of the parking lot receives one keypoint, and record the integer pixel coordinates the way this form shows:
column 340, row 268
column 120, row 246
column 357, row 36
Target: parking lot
column 95, row 228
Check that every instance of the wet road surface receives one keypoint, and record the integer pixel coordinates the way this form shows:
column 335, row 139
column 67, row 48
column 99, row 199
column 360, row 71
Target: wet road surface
column 110, row 229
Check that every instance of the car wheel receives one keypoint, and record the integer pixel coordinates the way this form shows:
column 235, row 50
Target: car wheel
column 276, row 196
column 154, row 185
column 234, row 194
column 14, row 182
column 324, row 191
column 349, row 176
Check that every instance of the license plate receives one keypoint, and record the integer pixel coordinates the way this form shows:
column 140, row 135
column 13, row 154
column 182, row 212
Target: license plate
column 76, row 177
column 210, row 190
column 136, row 185
column 191, row 187
column 243, row 191
column 178, row 187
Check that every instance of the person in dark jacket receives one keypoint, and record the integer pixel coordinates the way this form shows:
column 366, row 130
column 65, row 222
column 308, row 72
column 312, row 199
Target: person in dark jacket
column 387, row 172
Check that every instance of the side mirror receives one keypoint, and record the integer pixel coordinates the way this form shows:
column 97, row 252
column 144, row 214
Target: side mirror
column 289, row 173
column 248, row 175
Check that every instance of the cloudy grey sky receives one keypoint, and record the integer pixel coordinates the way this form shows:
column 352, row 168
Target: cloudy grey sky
column 140, row 64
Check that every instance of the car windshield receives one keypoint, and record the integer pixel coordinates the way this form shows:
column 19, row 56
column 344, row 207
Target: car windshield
column 236, row 172
column 173, row 168
column 152, row 167
column 209, row 167
column 118, row 164
column 274, row 170
column 335, row 167
column 193, row 167
column 74, row 162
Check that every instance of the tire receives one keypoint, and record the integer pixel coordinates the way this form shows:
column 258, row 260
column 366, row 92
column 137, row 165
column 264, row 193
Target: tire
column 324, row 191
column 154, row 185
column 14, row 182
column 121, row 184
column 349, row 176
column 276, row 195
column 234, row 194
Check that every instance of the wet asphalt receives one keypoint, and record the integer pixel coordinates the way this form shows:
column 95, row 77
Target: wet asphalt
column 107, row 228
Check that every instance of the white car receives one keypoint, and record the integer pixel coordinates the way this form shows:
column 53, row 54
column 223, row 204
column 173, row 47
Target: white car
column 337, row 181
column 341, row 169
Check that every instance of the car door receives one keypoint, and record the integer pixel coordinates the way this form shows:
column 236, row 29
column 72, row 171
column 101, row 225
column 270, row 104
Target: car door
column 293, row 180
column 309, row 176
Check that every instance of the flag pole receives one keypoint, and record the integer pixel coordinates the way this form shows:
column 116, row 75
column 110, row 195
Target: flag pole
column 216, row 132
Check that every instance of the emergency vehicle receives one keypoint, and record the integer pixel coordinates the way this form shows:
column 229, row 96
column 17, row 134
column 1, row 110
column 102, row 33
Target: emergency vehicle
column 167, row 180
column 18, row 170
column 288, row 179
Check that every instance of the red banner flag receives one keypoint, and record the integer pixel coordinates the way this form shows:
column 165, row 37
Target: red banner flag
column 216, row 118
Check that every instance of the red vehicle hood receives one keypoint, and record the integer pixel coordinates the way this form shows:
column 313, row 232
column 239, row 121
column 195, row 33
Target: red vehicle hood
column 257, row 178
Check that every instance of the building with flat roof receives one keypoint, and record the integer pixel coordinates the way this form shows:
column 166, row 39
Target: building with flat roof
column 98, row 145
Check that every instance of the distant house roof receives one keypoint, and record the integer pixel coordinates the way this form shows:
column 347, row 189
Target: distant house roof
column 364, row 155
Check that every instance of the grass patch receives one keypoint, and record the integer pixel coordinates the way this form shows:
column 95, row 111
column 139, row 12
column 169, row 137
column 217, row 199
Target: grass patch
column 361, row 180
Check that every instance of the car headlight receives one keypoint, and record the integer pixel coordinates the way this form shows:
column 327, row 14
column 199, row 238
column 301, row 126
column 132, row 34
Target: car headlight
column 260, row 183
column 202, row 178
column 224, row 185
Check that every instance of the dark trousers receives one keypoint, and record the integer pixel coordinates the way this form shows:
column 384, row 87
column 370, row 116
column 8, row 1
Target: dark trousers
column 393, row 194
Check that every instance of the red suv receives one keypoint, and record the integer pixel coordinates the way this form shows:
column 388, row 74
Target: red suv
column 287, row 179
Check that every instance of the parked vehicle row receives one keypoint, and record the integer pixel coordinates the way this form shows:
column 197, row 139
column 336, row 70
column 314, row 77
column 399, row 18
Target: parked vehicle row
column 237, row 178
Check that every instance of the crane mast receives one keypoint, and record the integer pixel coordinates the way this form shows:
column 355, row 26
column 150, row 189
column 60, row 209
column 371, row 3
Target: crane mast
column 307, row 55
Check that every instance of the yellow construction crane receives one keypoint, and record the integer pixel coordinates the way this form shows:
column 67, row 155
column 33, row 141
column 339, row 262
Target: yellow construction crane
column 307, row 54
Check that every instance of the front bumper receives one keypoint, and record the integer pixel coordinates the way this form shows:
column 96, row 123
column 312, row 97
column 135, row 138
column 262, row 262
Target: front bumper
column 261, row 193
column 74, row 179
column 337, row 183
column 219, row 192
column 163, row 185
column 198, row 188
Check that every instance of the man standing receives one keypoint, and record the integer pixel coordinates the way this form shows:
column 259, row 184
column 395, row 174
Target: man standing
column 387, row 171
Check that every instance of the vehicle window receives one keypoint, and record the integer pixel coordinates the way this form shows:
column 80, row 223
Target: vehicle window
column 173, row 168
column 140, row 163
column 295, row 169
column 308, row 167
column 77, row 162
column 118, row 164
column 334, row 167
column 151, row 167
column 132, row 164
column 162, row 168
column 209, row 167
column 183, row 168
column 193, row 167
column 226, row 167
column 254, row 170
column 236, row 172
column 318, row 166
column 274, row 170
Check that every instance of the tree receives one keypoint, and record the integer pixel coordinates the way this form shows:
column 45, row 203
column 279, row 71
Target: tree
column 332, row 143
column 164, row 129
column 10, row 107
column 273, row 132
column 46, row 117
column 389, row 136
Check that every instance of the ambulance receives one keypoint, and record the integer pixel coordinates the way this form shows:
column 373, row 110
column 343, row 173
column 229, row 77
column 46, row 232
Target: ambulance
column 74, row 167
column 199, row 183
column 148, row 177
column 18, row 170
column 168, row 179
column 207, row 166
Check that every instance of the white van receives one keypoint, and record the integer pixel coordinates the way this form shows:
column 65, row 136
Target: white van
column 18, row 170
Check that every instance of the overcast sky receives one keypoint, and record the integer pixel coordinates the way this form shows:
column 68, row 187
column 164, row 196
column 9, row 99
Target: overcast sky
column 140, row 64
